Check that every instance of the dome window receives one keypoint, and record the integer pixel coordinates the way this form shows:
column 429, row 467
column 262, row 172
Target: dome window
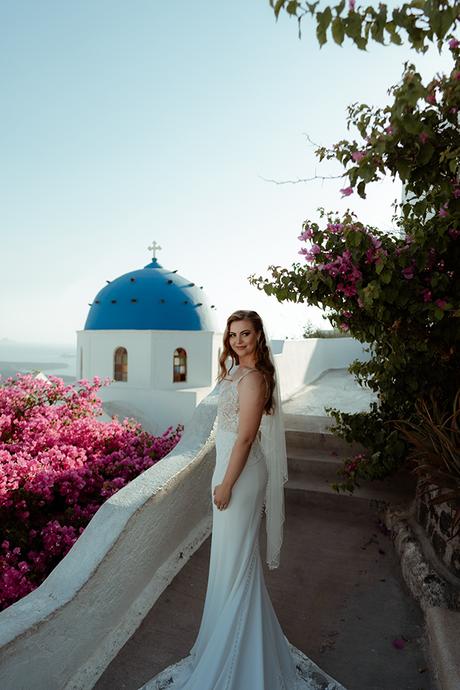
column 180, row 365
column 133, row 299
column 120, row 364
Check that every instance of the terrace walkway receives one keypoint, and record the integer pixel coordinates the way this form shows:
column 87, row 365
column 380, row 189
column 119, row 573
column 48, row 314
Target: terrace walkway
column 338, row 593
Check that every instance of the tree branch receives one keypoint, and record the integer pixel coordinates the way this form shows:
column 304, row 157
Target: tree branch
column 301, row 179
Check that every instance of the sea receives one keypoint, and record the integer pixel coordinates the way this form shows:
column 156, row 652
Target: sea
column 18, row 357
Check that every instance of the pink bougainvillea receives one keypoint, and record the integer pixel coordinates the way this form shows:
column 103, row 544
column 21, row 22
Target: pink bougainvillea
column 58, row 464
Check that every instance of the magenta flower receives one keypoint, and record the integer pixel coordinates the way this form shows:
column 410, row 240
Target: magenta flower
column 310, row 254
column 344, row 326
column 335, row 227
column 346, row 191
column 456, row 193
column 357, row 156
column 370, row 256
column 443, row 212
column 408, row 272
column 423, row 136
column 426, row 295
column 454, row 233
column 307, row 234
column 441, row 303
column 431, row 98
column 389, row 130
column 454, row 43
column 399, row 643
column 456, row 76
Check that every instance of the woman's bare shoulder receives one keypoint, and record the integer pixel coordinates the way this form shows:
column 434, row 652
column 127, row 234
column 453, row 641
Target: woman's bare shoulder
column 251, row 378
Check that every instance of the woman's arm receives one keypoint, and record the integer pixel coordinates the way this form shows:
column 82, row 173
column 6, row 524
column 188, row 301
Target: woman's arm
column 251, row 391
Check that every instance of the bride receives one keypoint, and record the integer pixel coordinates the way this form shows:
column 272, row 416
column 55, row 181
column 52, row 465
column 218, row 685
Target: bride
column 240, row 643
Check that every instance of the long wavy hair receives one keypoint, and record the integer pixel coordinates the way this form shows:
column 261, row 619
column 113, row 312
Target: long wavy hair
column 263, row 362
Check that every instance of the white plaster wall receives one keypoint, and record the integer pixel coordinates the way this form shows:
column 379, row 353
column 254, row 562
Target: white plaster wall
column 199, row 348
column 150, row 356
column 99, row 349
column 150, row 394
column 155, row 410
column 300, row 362
column 64, row 634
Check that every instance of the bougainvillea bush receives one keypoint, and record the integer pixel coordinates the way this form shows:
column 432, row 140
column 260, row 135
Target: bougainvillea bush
column 58, row 464
column 398, row 293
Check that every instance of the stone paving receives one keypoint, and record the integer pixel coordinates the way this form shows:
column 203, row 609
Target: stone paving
column 338, row 593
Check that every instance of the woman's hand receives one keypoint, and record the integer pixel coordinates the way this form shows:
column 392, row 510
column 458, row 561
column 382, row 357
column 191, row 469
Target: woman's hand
column 222, row 495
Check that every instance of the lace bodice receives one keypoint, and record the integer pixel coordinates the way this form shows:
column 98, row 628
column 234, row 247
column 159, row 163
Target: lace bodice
column 228, row 405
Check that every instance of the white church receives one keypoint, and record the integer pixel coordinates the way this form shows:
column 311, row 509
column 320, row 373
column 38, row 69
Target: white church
column 152, row 332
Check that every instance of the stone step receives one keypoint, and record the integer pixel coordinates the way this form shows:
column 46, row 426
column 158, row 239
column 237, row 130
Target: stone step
column 314, row 457
column 314, row 490
column 308, row 440
column 313, row 462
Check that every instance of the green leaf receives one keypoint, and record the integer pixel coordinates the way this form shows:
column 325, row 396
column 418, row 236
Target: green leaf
column 278, row 7
column 361, row 189
column 403, row 169
column 323, row 20
column 338, row 31
column 438, row 314
column 426, row 153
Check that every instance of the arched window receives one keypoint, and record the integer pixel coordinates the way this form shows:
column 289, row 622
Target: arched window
column 120, row 364
column 180, row 365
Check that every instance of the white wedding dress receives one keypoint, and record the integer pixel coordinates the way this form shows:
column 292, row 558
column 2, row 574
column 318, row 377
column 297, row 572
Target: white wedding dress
column 240, row 643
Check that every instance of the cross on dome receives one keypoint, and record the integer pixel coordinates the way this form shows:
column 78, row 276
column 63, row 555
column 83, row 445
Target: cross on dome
column 154, row 247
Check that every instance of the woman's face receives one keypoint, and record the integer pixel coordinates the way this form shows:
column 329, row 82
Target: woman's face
column 242, row 337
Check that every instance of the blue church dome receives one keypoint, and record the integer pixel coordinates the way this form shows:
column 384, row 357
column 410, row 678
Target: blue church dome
column 151, row 298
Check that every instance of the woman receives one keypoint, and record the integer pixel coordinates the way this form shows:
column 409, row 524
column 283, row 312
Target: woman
column 240, row 644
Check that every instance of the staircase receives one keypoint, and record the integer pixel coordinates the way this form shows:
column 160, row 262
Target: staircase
column 314, row 457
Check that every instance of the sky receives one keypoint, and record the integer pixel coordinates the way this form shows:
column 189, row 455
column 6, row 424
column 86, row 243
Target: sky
column 128, row 122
